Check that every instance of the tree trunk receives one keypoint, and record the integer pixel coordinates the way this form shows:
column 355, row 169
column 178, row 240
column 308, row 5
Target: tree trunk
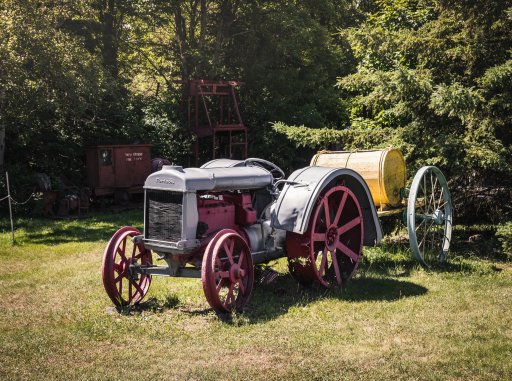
column 2, row 145
column 110, row 45
column 181, row 38
column 202, row 28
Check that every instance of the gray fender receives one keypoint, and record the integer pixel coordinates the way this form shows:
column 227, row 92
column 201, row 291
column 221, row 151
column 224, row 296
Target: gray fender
column 294, row 206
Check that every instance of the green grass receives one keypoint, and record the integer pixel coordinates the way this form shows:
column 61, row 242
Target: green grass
column 394, row 320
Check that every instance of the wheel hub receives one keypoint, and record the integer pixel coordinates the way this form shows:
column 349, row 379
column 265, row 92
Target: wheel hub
column 437, row 217
column 235, row 273
column 331, row 237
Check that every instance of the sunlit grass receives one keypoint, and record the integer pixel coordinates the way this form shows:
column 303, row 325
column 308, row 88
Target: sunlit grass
column 394, row 321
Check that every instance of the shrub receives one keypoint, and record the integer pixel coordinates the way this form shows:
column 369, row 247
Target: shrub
column 504, row 234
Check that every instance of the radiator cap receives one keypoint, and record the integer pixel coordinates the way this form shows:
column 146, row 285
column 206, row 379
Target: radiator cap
column 178, row 168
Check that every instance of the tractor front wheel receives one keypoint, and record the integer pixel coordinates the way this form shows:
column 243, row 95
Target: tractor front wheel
column 121, row 285
column 227, row 272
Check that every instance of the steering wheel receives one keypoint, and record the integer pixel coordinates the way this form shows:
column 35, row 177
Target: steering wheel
column 276, row 172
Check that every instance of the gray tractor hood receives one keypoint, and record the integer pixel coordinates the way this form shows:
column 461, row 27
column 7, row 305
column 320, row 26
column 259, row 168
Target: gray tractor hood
column 178, row 179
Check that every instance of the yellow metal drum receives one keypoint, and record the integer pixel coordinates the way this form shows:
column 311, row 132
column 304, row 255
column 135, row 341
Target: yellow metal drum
column 383, row 171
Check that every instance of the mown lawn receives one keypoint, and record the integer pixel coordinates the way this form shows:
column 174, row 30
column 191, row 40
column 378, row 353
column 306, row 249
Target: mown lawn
column 394, row 321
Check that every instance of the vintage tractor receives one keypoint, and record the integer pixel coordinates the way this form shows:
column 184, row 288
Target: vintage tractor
column 216, row 222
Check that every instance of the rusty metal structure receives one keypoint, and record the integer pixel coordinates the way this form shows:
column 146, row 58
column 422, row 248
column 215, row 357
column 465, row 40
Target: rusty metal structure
column 218, row 221
column 214, row 118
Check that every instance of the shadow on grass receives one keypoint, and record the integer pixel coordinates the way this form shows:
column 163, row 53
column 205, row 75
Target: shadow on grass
column 152, row 305
column 271, row 301
column 402, row 267
column 92, row 228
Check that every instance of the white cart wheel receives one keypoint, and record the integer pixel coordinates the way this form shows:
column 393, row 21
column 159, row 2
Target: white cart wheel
column 429, row 216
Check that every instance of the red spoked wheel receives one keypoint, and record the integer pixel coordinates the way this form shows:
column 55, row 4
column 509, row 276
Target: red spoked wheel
column 227, row 272
column 329, row 251
column 122, row 287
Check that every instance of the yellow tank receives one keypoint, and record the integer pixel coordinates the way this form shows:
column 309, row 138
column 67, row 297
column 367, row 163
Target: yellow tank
column 383, row 171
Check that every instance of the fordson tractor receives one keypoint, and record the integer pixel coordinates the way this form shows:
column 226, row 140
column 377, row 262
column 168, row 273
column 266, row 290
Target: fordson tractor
column 218, row 221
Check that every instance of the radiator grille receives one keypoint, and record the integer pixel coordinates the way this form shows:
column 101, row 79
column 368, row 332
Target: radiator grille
column 164, row 214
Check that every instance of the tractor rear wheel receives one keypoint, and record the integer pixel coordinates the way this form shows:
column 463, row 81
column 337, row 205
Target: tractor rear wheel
column 330, row 250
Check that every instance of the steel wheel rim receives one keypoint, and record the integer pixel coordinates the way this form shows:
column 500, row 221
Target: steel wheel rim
column 330, row 251
column 429, row 216
column 227, row 272
column 120, row 252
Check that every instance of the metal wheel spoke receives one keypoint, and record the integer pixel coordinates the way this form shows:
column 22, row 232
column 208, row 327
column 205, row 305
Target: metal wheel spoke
column 347, row 251
column 426, row 234
column 421, row 223
column 229, row 251
column 222, row 274
column 241, row 258
column 336, row 267
column 442, row 205
column 118, row 268
column 229, row 296
column 340, row 208
column 137, row 287
column 432, row 194
column 241, row 285
column 318, row 237
column 327, row 212
column 218, row 261
column 122, row 255
column 438, row 205
column 219, row 285
column 349, row 225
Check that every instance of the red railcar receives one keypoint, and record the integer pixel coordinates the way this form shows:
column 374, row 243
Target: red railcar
column 118, row 168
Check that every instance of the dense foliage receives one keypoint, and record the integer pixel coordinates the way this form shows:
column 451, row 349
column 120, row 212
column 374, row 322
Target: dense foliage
column 433, row 77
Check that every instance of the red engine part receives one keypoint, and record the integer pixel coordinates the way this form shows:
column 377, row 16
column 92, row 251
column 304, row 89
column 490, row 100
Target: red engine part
column 215, row 214
column 245, row 214
column 226, row 211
